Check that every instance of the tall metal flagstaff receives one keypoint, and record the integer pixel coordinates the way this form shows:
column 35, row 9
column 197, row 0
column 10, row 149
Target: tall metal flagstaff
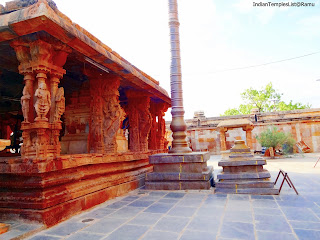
column 178, row 125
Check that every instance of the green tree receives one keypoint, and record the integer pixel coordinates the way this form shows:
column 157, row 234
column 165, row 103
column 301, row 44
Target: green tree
column 266, row 100
column 274, row 138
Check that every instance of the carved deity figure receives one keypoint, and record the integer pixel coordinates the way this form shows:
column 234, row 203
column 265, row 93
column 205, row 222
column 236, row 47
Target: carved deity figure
column 113, row 116
column 25, row 99
column 60, row 104
column 145, row 120
column 43, row 103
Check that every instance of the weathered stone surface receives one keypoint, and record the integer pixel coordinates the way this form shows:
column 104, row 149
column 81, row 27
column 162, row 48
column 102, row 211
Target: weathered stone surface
column 245, row 175
column 50, row 191
column 244, row 184
column 254, row 191
column 179, row 171
column 178, row 185
column 194, row 157
column 247, row 162
column 64, row 210
column 185, row 176
column 303, row 124
column 180, row 167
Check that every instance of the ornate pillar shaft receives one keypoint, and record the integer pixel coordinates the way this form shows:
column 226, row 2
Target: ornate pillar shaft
column 106, row 114
column 178, row 125
column 140, row 120
column 54, row 82
column 96, row 117
column 223, row 140
column 153, row 140
column 42, row 70
column 249, row 138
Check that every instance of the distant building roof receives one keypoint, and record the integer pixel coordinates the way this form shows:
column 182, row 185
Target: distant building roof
column 235, row 123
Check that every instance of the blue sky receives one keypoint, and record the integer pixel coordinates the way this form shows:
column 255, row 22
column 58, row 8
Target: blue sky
column 215, row 35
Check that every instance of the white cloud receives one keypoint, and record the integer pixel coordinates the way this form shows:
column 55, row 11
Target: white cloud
column 308, row 27
column 243, row 6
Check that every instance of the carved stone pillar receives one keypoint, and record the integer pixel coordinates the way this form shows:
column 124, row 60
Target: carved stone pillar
column 153, row 141
column 113, row 114
column 223, row 139
column 162, row 126
column 96, row 116
column 158, row 127
column 140, row 120
column 249, row 136
column 41, row 64
column 106, row 114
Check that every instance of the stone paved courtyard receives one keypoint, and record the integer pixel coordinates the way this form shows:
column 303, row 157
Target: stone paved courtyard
column 201, row 215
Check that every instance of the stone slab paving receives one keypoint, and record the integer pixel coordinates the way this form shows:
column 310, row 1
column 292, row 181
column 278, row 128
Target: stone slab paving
column 188, row 215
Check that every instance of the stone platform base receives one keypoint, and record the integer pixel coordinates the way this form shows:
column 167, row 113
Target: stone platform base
column 50, row 191
column 243, row 173
column 258, row 187
column 245, row 177
column 180, row 172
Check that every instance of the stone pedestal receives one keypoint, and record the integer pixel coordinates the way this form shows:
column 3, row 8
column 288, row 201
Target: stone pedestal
column 243, row 173
column 180, row 171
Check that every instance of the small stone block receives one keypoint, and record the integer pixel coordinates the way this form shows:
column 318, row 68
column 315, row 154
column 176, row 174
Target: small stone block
column 257, row 191
column 179, row 158
column 245, row 175
column 245, row 184
column 241, row 156
column 253, row 162
column 176, row 176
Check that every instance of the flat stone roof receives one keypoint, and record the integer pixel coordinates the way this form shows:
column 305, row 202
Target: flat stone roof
column 235, row 123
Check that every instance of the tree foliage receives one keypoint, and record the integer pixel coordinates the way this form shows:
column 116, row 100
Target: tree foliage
column 274, row 138
column 266, row 100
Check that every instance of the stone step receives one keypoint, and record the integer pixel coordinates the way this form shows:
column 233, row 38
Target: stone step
column 244, row 175
column 253, row 191
column 176, row 176
column 251, row 162
column 179, row 185
column 195, row 167
column 245, row 184
column 193, row 157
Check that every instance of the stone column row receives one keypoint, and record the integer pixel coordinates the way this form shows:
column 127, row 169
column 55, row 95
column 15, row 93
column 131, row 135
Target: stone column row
column 107, row 115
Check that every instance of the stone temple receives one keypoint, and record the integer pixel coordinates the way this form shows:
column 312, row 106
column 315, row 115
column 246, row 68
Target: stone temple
column 88, row 118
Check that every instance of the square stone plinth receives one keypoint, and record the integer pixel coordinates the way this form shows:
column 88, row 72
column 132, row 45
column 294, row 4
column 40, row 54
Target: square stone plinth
column 180, row 171
column 244, row 175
